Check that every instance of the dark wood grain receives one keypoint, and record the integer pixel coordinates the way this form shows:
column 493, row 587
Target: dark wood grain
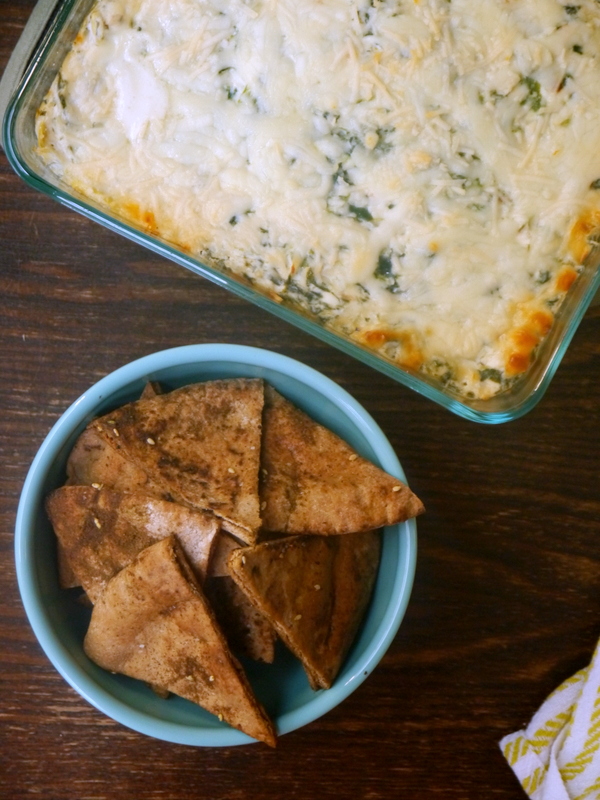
column 506, row 602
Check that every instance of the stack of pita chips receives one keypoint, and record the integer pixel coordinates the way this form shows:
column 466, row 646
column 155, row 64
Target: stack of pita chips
column 207, row 522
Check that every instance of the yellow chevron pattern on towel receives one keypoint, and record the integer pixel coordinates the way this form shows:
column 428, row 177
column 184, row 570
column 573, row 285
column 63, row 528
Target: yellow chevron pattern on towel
column 591, row 793
column 544, row 737
column 579, row 677
column 557, row 755
column 533, row 781
column 592, row 743
column 514, row 749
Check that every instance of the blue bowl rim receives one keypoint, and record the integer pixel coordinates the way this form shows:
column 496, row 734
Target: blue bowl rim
column 81, row 411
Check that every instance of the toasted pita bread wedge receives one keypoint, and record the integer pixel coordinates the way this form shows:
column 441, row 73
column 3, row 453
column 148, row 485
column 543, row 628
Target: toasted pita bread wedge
column 200, row 443
column 100, row 531
column 153, row 623
column 224, row 545
column 151, row 389
column 93, row 462
column 314, row 590
column 247, row 630
column 313, row 482
column 66, row 577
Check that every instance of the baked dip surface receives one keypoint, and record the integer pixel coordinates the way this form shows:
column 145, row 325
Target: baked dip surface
column 420, row 176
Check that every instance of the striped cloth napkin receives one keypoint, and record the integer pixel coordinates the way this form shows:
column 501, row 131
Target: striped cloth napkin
column 557, row 756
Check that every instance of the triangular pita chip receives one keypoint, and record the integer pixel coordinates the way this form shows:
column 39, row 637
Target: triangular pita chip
column 314, row 591
column 151, row 389
column 153, row 623
column 200, row 443
column 224, row 545
column 93, row 462
column 247, row 630
column 313, row 482
column 100, row 531
column 67, row 579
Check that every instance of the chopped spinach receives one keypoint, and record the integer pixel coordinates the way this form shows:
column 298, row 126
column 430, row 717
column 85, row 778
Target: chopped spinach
column 466, row 182
column 384, row 145
column 360, row 213
column 384, row 265
column 61, row 90
column 341, row 174
column 439, row 369
column 489, row 374
column 542, row 276
column 534, row 93
column 384, row 271
column 309, row 293
column 350, row 140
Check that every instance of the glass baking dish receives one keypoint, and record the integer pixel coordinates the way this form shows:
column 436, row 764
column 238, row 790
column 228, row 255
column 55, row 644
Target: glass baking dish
column 19, row 140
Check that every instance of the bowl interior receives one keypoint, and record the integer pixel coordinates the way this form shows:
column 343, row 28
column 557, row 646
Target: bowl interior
column 59, row 620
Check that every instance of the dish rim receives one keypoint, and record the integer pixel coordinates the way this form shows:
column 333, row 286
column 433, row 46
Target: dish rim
column 504, row 407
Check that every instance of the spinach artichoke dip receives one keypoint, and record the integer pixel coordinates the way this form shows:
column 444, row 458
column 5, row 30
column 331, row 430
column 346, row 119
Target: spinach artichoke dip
column 418, row 175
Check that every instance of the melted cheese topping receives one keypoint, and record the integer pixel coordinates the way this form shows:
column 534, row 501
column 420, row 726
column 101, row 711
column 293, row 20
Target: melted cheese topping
column 419, row 175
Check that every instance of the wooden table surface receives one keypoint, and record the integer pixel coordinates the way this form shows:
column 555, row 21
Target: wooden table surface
column 506, row 600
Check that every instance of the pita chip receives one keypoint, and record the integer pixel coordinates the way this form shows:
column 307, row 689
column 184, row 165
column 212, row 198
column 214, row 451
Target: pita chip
column 93, row 462
column 101, row 531
column 224, row 545
column 200, row 444
column 247, row 630
column 314, row 590
column 151, row 389
column 314, row 482
column 153, row 623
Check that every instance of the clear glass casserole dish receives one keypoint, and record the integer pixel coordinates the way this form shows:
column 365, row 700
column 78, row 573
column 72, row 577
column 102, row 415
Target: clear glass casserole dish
column 20, row 140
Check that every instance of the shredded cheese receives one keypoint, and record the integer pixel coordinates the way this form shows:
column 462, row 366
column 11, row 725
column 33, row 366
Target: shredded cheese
column 412, row 174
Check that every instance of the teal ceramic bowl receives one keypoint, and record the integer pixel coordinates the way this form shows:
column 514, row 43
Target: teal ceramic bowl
column 59, row 621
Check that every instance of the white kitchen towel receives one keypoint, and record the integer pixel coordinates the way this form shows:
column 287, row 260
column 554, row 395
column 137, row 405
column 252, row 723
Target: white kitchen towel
column 557, row 756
